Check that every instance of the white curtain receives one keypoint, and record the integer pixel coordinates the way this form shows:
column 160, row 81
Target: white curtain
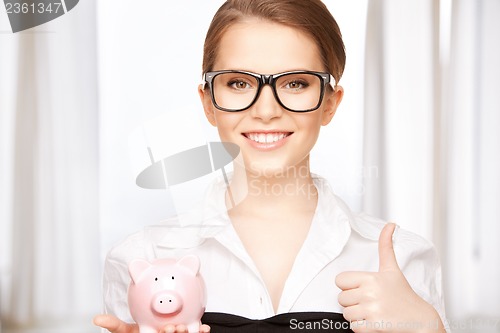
column 400, row 63
column 432, row 125
column 471, row 120
column 50, row 262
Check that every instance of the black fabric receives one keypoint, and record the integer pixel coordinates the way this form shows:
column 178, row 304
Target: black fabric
column 287, row 322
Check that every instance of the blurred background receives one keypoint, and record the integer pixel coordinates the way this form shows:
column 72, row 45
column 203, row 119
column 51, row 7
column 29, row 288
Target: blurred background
column 415, row 141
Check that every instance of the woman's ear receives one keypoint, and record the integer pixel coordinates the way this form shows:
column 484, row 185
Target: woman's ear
column 206, row 101
column 333, row 99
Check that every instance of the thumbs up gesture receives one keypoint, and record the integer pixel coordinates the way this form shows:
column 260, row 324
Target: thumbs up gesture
column 384, row 301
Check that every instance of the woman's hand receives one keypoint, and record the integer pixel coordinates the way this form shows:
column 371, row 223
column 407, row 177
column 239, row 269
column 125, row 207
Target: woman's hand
column 384, row 301
column 115, row 325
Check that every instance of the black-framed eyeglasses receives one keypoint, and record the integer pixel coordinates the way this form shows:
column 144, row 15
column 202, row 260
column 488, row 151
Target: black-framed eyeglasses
column 296, row 91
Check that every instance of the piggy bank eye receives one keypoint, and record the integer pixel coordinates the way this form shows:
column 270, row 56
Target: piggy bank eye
column 156, row 279
column 172, row 277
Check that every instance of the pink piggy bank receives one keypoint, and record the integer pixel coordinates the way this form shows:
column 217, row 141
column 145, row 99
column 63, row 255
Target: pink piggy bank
column 166, row 291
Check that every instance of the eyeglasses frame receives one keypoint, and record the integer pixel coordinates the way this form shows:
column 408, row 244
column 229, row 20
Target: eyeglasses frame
column 267, row 79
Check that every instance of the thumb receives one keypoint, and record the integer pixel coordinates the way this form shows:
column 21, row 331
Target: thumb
column 386, row 256
column 113, row 324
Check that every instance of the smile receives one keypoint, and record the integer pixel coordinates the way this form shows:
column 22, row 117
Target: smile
column 267, row 137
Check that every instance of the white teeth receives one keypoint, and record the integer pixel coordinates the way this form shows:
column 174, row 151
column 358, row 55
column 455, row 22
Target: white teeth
column 266, row 138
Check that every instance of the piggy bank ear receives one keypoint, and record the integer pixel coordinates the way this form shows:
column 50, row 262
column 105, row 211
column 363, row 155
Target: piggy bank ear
column 191, row 262
column 136, row 268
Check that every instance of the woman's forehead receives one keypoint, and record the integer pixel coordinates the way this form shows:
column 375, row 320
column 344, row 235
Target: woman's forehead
column 266, row 47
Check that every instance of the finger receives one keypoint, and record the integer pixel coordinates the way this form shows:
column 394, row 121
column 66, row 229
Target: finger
column 115, row 325
column 360, row 326
column 168, row 329
column 354, row 313
column 349, row 297
column 204, row 329
column 387, row 257
column 181, row 329
column 350, row 280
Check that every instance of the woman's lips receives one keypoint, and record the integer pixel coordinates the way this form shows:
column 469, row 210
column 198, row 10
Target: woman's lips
column 267, row 140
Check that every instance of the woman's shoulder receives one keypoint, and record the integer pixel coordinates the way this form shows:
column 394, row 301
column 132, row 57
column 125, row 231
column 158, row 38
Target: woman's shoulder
column 366, row 227
column 170, row 237
column 370, row 227
column 132, row 246
column 411, row 249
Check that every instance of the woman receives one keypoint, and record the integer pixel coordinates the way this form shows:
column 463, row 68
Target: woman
column 287, row 251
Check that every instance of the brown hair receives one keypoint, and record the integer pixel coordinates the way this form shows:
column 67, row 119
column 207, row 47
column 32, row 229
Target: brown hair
column 309, row 16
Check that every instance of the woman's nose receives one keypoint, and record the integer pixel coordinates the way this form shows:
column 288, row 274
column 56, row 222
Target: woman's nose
column 266, row 107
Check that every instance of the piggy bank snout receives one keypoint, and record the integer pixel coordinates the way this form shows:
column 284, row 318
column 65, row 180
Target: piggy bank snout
column 167, row 303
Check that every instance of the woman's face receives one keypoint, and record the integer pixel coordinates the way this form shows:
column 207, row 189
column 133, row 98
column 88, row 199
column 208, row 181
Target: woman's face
column 268, row 48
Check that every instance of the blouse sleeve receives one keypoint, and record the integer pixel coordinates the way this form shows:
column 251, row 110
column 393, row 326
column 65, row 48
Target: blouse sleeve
column 419, row 262
column 115, row 285
column 116, row 278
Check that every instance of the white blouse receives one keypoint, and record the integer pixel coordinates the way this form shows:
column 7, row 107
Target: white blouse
column 338, row 240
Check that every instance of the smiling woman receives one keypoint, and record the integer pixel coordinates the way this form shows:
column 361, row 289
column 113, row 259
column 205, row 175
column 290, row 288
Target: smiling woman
column 261, row 161
column 268, row 89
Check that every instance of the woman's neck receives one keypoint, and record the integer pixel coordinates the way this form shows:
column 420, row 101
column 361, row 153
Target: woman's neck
column 284, row 192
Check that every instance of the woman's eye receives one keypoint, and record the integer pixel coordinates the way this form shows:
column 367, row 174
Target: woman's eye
column 239, row 85
column 296, row 85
